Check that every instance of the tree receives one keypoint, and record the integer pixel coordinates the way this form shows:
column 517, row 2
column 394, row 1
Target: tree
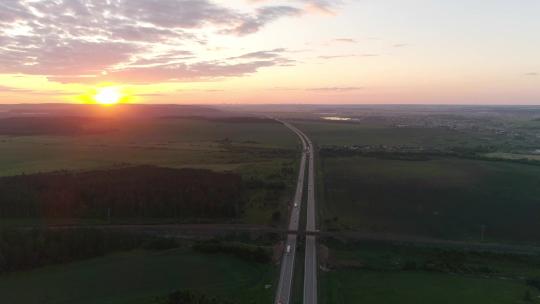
column 527, row 297
column 276, row 216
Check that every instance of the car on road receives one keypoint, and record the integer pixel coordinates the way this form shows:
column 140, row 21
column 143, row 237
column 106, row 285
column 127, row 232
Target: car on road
column 288, row 250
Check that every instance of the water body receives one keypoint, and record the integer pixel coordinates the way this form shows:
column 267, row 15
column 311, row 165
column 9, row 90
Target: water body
column 336, row 118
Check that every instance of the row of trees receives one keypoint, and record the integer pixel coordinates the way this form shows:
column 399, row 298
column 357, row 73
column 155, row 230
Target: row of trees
column 475, row 153
column 142, row 191
column 27, row 249
column 189, row 297
column 243, row 251
column 68, row 125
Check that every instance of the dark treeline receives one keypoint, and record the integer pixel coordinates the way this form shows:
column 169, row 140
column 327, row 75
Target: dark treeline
column 54, row 125
column 424, row 155
column 133, row 192
column 27, row 249
column 226, row 119
column 450, row 260
column 189, row 297
column 243, row 251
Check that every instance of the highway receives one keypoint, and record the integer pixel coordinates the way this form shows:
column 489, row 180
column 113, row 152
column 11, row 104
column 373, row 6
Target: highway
column 283, row 293
column 287, row 265
column 310, row 259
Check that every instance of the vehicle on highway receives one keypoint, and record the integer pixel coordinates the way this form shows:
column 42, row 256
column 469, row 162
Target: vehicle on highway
column 288, row 250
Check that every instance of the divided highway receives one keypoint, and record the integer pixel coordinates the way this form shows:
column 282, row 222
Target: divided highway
column 287, row 265
column 310, row 259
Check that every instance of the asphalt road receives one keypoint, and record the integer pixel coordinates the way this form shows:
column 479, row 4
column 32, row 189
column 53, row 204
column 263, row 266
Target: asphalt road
column 310, row 260
column 283, row 293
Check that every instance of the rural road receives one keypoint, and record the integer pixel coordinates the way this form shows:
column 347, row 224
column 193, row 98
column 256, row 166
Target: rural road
column 287, row 265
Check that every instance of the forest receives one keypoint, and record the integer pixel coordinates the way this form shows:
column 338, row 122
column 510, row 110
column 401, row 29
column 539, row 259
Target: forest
column 69, row 125
column 27, row 249
column 131, row 192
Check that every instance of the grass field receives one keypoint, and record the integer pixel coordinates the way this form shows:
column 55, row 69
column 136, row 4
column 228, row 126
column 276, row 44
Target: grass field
column 340, row 133
column 377, row 273
column 138, row 277
column 262, row 150
column 513, row 156
column 164, row 142
column 366, row 133
column 446, row 198
column 362, row 286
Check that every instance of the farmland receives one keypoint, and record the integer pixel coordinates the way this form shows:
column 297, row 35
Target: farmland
column 261, row 152
column 379, row 272
column 177, row 143
column 516, row 138
column 443, row 198
column 139, row 277
column 454, row 183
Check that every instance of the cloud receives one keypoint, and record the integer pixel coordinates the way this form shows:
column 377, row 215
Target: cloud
column 11, row 11
column 335, row 89
column 52, row 56
column 400, row 45
column 275, row 53
column 328, row 57
column 8, row 89
column 12, row 89
column 532, row 74
column 336, row 56
column 322, row 6
column 345, row 40
column 173, row 72
column 264, row 16
column 325, row 6
column 320, row 89
column 78, row 40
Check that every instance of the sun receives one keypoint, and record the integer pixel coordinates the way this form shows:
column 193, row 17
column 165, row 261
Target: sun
column 108, row 95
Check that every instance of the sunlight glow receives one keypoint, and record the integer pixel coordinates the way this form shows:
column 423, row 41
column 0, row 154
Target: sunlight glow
column 108, row 96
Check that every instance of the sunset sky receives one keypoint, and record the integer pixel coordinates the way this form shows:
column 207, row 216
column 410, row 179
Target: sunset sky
column 266, row 51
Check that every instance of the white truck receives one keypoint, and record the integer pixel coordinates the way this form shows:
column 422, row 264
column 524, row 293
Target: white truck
column 288, row 249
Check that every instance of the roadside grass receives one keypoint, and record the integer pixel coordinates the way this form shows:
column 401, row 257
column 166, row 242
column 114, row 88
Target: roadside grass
column 297, row 290
column 138, row 277
column 389, row 272
column 262, row 203
column 446, row 198
column 362, row 286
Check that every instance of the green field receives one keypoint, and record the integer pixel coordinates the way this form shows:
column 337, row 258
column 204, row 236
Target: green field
column 262, row 150
column 345, row 133
column 165, row 142
column 377, row 133
column 446, row 197
column 140, row 276
column 361, row 286
column 513, row 156
column 381, row 273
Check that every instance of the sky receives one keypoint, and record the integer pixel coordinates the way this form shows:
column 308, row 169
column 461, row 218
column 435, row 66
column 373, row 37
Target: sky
column 270, row 51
